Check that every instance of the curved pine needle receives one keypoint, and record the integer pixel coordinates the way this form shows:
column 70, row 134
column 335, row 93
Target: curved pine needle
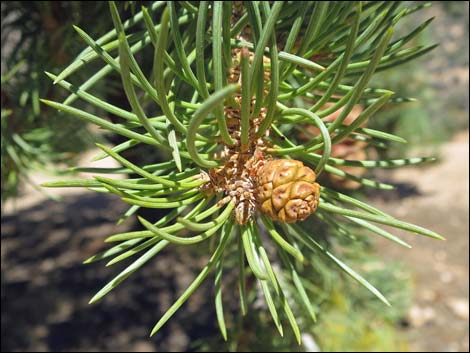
column 137, row 169
column 157, row 168
column 284, row 68
column 249, row 247
column 130, row 92
column 316, row 20
column 112, row 251
column 304, row 238
column 271, row 106
column 246, row 96
column 133, row 251
column 379, row 231
column 161, row 222
column 298, row 285
column 352, row 201
column 365, row 78
column 280, row 293
column 226, row 232
column 266, row 34
column 178, row 42
column 280, row 240
column 271, row 306
column 345, row 130
column 72, row 184
column 219, row 221
column 346, row 56
column 384, row 163
column 242, row 277
column 380, row 219
column 173, row 197
column 159, row 188
column 325, row 135
column 200, row 44
column 197, row 119
column 219, row 309
column 160, row 82
column 102, row 40
column 218, row 67
column 102, row 123
column 129, row 270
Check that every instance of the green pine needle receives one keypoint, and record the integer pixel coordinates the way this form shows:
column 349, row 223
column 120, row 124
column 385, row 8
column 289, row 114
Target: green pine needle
column 279, row 68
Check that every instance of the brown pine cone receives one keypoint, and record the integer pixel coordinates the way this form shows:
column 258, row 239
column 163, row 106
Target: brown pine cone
column 287, row 190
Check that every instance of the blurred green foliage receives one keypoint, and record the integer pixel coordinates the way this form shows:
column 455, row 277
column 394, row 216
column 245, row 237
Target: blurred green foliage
column 38, row 35
column 438, row 81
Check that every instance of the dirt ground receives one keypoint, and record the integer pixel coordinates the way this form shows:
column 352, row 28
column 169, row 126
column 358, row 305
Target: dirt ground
column 438, row 321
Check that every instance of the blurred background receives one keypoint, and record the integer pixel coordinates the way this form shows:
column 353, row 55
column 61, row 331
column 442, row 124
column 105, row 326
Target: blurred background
column 45, row 235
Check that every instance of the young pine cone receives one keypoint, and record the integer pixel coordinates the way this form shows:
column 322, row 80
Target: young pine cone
column 287, row 190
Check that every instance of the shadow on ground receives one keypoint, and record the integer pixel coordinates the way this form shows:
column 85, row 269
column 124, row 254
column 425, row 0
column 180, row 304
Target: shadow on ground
column 45, row 289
